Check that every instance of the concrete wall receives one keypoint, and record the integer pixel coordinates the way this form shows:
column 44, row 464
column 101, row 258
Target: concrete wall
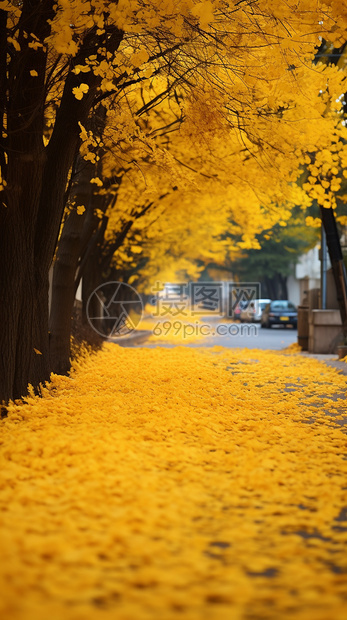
column 293, row 286
column 307, row 272
column 308, row 265
column 325, row 331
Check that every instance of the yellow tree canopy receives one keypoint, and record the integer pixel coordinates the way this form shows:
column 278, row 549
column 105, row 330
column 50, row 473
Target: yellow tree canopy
column 237, row 84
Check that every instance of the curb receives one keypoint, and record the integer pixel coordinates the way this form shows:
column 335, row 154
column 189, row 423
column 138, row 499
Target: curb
column 329, row 359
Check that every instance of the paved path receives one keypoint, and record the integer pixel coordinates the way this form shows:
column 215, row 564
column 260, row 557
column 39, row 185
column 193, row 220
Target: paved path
column 177, row 484
column 232, row 335
column 251, row 336
column 274, row 339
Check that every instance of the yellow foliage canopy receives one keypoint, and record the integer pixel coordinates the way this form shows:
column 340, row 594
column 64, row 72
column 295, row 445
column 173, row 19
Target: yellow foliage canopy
column 238, row 88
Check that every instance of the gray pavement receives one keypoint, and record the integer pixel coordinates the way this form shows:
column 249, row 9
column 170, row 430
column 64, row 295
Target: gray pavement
column 230, row 335
column 252, row 336
column 246, row 336
column 274, row 339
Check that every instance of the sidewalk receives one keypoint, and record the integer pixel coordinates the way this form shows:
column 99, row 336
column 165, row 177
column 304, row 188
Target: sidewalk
column 177, row 484
column 329, row 360
column 142, row 337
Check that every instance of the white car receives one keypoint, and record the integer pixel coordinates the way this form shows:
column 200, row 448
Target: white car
column 252, row 313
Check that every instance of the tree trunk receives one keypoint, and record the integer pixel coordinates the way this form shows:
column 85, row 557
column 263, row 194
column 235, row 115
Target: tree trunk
column 64, row 271
column 271, row 292
column 22, row 289
column 21, row 301
column 74, row 240
column 283, row 285
column 33, row 202
column 337, row 264
column 91, row 279
column 63, row 293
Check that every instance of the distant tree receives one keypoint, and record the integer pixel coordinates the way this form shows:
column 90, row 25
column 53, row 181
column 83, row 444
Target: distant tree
column 275, row 260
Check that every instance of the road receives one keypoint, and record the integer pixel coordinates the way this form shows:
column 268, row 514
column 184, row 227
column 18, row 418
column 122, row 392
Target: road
column 231, row 335
column 253, row 337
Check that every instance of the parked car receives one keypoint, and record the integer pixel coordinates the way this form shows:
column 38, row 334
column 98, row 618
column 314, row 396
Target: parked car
column 279, row 312
column 252, row 312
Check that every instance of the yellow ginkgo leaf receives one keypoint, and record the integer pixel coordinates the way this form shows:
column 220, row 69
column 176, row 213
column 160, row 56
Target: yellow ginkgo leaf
column 139, row 58
column 314, row 222
column 97, row 181
column 14, row 43
column 37, row 351
column 204, row 12
column 81, row 69
column 81, row 90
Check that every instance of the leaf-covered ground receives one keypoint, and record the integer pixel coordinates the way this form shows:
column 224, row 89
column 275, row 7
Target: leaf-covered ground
column 177, row 484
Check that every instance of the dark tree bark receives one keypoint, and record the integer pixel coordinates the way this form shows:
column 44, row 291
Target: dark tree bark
column 78, row 254
column 74, row 243
column 64, row 272
column 283, row 286
column 337, row 264
column 33, row 201
column 97, row 261
column 22, row 290
column 90, row 281
column 270, row 289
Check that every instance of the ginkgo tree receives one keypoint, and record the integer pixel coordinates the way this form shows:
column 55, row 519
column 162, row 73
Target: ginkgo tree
column 241, row 67
column 138, row 222
column 326, row 175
